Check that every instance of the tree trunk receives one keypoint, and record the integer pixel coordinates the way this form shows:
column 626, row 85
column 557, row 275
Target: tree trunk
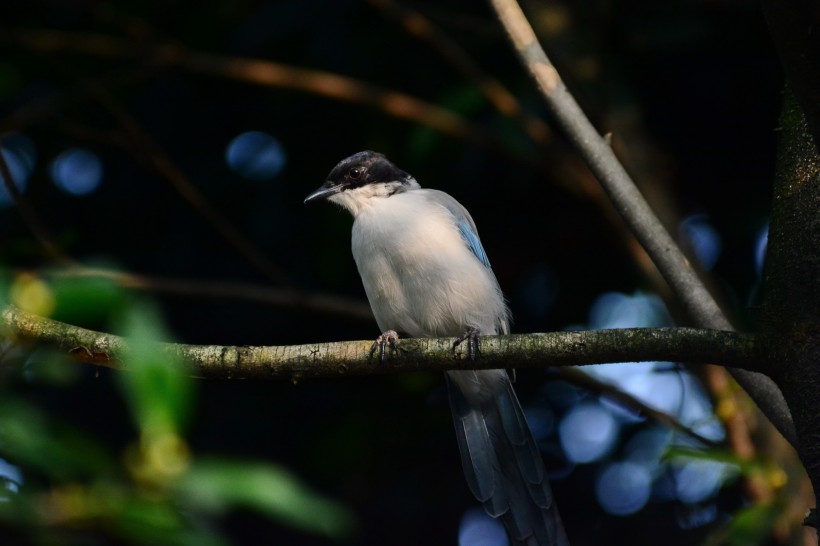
column 790, row 325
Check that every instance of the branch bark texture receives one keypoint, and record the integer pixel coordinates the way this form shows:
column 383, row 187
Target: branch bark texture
column 351, row 358
column 790, row 332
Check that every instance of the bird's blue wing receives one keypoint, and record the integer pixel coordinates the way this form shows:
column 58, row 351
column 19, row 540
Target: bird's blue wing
column 463, row 221
column 473, row 242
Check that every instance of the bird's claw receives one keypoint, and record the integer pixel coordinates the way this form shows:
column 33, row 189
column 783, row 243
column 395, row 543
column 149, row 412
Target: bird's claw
column 388, row 339
column 473, row 338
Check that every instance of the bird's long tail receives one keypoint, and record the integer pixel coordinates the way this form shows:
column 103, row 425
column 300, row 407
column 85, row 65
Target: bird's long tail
column 502, row 463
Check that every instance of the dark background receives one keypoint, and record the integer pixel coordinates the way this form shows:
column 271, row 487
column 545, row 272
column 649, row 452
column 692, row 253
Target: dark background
column 690, row 91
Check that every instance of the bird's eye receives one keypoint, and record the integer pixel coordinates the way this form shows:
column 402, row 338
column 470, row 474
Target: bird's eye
column 356, row 173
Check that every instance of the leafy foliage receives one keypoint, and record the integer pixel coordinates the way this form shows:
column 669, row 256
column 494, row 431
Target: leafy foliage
column 157, row 490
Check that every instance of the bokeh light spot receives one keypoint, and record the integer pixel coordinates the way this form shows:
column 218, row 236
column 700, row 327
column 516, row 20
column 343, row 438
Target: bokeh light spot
column 697, row 412
column 255, row 155
column 479, row 529
column 617, row 310
column 696, row 515
column 648, row 445
column 661, row 391
column 623, row 488
column 702, row 238
column 646, row 449
column 697, row 480
column 587, row 433
column 12, row 477
column 31, row 294
column 761, row 246
column 77, row 171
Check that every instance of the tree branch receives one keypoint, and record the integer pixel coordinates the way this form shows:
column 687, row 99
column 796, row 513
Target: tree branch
column 254, row 71
column 502, row 99
column 790, row 331
column 259, row 294
column 143, row 148
column 632, row 206
column 613, row 392
column 29, row 215
column 352, row 358
column 617, row 183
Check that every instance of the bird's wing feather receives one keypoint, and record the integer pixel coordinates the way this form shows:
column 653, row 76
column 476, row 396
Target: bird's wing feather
column 472, row 436
column 502, row 463
column 464, row 222
column 473, row 242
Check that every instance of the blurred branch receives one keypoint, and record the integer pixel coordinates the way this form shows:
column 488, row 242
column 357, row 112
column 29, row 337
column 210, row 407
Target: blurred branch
column 600, row 158
column 145, row 149
column 259, row 72
column 338, row 87
column 321, row 83
column 637, row 213
column 277, row 75
column 352, row 358
column 732, row 408
column 30, row 216
column 582, row 379
column 493, row 90
column 283, row 297
column 571, row 173
column 42, row 107
column 224, row 290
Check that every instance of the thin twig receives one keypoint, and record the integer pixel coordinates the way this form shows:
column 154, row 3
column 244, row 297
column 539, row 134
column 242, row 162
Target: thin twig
column 225, row 290
column 587, row 381
column 255, row 71
column 144, row 147
column 636, row 212
column 493, row 90
column 30, row 216
column 259, row 72
column 575, row 177
column 608, row 170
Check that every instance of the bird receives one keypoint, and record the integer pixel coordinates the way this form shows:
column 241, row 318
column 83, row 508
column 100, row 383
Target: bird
column 426, row 274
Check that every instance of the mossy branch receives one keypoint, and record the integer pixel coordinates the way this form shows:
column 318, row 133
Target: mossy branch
column 351, row 358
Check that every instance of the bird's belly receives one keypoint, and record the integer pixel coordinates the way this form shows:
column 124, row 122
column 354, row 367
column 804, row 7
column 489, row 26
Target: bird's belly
column 417, row 293
column 419, row 275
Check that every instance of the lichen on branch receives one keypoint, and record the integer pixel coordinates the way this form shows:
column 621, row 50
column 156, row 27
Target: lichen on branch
column 351, row 358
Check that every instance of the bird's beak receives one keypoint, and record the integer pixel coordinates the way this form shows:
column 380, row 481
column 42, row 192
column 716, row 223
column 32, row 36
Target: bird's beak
column 323, row 192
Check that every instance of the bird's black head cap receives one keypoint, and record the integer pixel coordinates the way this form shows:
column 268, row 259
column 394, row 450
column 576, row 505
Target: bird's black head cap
column 360, row 169
column 364, row 168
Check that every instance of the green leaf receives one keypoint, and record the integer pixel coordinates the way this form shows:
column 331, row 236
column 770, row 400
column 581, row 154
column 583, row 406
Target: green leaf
column 86, row 300
column 156, row 385
column 749, row 527
column 160, row 523
column 746, row 466
column 218, row 485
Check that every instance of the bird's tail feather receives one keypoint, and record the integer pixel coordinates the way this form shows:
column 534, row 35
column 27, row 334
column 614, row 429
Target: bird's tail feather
column 502, row 463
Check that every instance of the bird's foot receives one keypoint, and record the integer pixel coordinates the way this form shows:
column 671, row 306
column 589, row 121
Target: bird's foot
column 473, row 338
column 388, row 339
